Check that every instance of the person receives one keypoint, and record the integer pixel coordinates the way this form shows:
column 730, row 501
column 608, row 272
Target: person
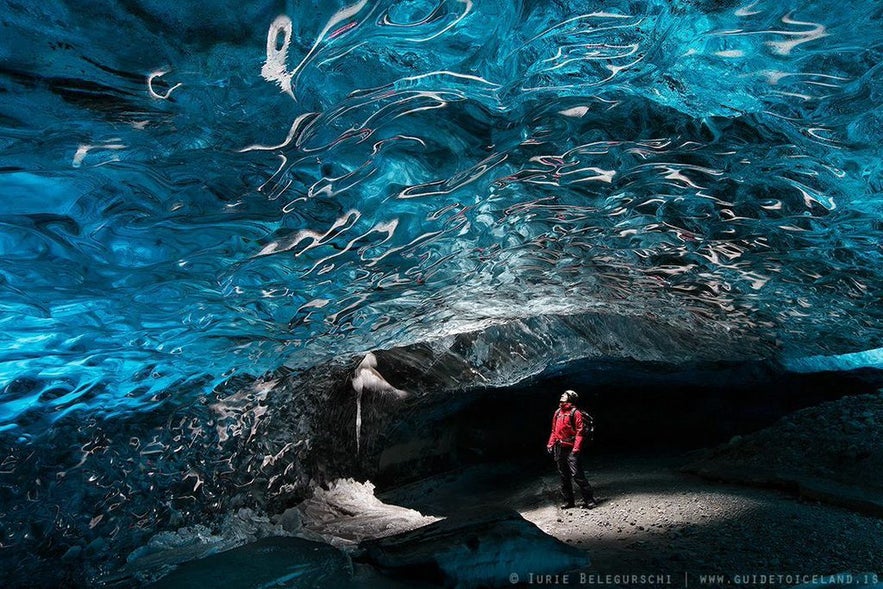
column 566, row 445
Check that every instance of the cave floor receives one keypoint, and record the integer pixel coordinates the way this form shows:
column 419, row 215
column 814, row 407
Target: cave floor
column 655, row 520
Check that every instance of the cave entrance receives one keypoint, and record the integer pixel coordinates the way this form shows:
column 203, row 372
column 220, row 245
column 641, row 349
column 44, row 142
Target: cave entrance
column 638, row 409
column 477, row 460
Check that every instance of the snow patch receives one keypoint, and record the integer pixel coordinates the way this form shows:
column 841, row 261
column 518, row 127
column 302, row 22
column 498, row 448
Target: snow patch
column 348, row 512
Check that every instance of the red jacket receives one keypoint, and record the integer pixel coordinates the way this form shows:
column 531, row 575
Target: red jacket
column 569, row 436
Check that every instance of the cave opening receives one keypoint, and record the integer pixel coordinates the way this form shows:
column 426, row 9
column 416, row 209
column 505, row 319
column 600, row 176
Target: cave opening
column 638, row 409
column 779, row 455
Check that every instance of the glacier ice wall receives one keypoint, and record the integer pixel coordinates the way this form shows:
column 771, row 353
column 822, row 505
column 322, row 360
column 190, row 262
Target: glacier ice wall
column 191, row 192
column 195, row 193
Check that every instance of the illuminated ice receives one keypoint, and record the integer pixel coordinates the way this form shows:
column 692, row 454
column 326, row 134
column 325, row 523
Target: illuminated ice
column 268, row 188
column 195, row 194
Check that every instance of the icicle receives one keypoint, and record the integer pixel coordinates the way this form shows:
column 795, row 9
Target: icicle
column 358, row 418
column 366, row 377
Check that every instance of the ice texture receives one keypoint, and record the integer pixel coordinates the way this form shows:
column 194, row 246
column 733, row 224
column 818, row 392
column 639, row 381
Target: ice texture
column 864, row 359
column 366, row 378
column 198, row 198
column 482, row 547
column 348, row 512
column 193, row 192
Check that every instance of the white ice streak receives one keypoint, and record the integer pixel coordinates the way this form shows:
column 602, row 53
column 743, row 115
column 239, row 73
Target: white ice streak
column 292, row 132
column 367, row 378
column 275, row 68
column 455, row 182
column 467, row 10
column 153, row 93
column 84, row 149
column 387, row 228
column 346, row 221
column 576, row 112
column 746, row 10
column 573, row 19
column 601, row 175
column 784, row 47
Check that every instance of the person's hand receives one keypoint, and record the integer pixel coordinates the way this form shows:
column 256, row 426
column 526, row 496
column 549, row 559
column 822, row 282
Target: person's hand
column 549, row 449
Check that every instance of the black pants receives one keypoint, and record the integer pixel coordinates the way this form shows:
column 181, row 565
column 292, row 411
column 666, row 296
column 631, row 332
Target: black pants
column 570, row 467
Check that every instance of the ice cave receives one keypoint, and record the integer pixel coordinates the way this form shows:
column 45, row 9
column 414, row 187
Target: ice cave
column 291, row 288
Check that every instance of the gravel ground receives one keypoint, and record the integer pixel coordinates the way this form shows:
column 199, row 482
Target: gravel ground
column 654, row 520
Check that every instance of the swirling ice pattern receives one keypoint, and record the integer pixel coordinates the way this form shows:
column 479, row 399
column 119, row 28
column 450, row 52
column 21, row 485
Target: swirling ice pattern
column 190, row 194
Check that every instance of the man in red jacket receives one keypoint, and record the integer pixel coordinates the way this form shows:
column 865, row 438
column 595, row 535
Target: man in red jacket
column 566, row 445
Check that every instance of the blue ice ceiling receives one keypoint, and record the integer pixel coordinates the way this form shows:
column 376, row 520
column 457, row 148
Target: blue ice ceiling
column 191, row 191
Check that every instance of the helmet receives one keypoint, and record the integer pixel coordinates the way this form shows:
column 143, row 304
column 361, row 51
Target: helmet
column 569, row 397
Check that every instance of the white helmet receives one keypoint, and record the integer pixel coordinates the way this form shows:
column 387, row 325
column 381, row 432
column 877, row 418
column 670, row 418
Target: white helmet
column 569, row 397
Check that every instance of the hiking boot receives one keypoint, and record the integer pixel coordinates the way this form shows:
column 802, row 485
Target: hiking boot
column 589, row 504
column 570, row 505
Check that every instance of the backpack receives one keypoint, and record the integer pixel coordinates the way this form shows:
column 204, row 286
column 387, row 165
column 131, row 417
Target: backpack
column 588, row 425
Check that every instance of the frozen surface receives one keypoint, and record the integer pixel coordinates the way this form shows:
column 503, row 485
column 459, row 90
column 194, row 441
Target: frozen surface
column 348, row 512
column 864, row 359
column 275, row 184
column 475, row 548
column 168, row 550
column 194, row 194
column 267, row 563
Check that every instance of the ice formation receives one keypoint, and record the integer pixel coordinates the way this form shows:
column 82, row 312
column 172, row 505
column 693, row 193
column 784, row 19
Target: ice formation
column 193, row 196
column 366, row 378
column 173, row 218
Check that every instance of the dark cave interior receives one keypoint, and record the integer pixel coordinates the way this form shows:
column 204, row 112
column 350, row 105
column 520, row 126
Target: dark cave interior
column 638, row 408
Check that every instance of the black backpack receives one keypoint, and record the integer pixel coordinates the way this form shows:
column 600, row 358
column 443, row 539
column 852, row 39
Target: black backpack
column 588, row 425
